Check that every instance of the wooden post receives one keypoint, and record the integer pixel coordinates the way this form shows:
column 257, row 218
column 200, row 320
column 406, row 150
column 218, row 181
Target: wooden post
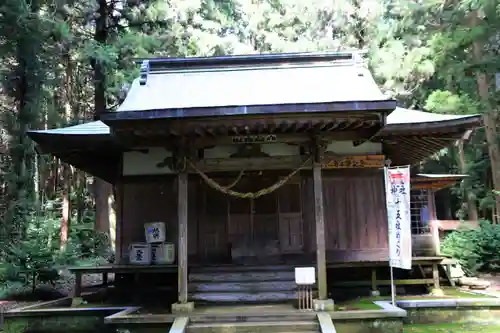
column 320, row 231
column 375, row 291
column 435, row 276
column 78, row 284
column 182, row 211
column 434, row 223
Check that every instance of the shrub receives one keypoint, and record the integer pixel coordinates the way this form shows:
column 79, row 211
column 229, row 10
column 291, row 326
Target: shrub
column 475, row 249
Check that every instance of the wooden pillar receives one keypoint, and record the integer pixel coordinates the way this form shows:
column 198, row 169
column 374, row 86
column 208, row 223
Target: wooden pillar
column 182, row 251
column 320, row 231
column 374, row 280
column 434, row 223
column 435, row 276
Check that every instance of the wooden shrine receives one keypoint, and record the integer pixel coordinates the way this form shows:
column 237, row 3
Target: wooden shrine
column 253, row 161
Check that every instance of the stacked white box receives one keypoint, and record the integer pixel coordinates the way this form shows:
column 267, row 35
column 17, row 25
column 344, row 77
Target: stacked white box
column 154, row 232
column 140, row 254
column 162, row 254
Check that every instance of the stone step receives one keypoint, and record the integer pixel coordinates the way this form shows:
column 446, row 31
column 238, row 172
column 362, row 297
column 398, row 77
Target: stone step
column 233, row 297
column 235, row 317
column 256, row 327
column 242, row 276
column 242, row 286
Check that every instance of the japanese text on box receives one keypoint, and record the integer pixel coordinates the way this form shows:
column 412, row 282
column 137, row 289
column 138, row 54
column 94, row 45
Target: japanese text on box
column 399, row 218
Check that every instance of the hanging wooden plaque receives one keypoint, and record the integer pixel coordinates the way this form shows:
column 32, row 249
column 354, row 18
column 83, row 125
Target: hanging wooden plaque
column 353, row 162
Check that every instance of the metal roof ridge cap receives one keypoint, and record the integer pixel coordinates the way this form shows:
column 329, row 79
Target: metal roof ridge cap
column 293, row 56
column 213, row 69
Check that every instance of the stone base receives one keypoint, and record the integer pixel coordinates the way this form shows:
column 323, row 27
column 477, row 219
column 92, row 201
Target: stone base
column 182, row 307
column 323, row 305
column 375, row 293
column 436, row 292
column 76, row 301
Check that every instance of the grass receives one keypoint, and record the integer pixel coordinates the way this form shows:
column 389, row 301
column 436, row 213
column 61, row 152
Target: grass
column 449, row 292
column 366, row 303
column 451, row 328
column 357, row 304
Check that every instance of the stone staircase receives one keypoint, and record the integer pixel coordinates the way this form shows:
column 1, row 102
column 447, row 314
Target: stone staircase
column 242, row 284
column 308, row 326
column 227, row 322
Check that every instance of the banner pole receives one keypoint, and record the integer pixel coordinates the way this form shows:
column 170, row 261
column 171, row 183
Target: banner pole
column 391, row 270
column 393, row 289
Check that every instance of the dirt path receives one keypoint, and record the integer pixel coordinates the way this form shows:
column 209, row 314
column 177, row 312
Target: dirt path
column 494, row 280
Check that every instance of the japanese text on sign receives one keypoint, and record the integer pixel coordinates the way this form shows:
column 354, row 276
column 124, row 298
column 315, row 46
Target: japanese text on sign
column 353, row 162
column 399, row 219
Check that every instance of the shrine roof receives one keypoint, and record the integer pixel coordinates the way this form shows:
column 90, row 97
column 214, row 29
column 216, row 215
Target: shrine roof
column 408, row 120
column 251, row 85
column 435, row 181
column 398, row 117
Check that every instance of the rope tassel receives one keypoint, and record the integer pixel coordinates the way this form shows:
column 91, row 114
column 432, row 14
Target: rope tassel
column 248, row 195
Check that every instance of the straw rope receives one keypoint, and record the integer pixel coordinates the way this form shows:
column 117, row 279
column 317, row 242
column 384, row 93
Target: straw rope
column 248, row 195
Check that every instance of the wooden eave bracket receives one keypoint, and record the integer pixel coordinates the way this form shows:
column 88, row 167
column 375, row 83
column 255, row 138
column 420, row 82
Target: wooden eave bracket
column 375, row 133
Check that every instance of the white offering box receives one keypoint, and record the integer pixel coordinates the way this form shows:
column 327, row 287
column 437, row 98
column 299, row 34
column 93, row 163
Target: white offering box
column 305, row 275
column 162, row 254
column 155, row 232
column 140, row 254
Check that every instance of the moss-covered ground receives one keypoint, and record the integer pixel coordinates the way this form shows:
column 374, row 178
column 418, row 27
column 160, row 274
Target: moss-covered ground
column 451, row 328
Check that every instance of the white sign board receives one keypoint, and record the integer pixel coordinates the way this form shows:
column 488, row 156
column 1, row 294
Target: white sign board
column 397, row 186
column 305, row 275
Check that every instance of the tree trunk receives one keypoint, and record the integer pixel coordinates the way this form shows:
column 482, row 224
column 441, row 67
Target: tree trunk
column 67, row 170
column 102, row 190
column 471, row 201
column 490, row 121
column 66, row 206
column 103, row 200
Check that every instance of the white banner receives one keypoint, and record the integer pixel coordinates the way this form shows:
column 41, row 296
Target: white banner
column 397, row 189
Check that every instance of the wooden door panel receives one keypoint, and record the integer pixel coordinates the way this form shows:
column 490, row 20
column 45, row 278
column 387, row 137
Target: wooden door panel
column 290, row 219
column 239, row 228
column 291, row 233
column 265, row 227
column 213, row 237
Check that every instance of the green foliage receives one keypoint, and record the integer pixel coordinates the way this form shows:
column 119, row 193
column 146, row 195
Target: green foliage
column 446, row 102
column 476, row 249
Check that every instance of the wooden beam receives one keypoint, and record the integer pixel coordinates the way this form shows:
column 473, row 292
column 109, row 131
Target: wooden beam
column 182, row 250
column 251, row 163
column 363, row 283
column 287, row 163
column 320, row 231
column 200, row 139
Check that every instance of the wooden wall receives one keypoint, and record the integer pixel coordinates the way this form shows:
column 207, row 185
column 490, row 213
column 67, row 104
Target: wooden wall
column 355, row 215
column 355, row 220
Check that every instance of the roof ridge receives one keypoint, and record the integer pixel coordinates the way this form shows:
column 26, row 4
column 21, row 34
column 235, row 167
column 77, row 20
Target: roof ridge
column 252, row 67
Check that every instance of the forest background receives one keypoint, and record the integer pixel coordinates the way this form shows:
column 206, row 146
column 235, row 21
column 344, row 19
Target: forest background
column 63, row 62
